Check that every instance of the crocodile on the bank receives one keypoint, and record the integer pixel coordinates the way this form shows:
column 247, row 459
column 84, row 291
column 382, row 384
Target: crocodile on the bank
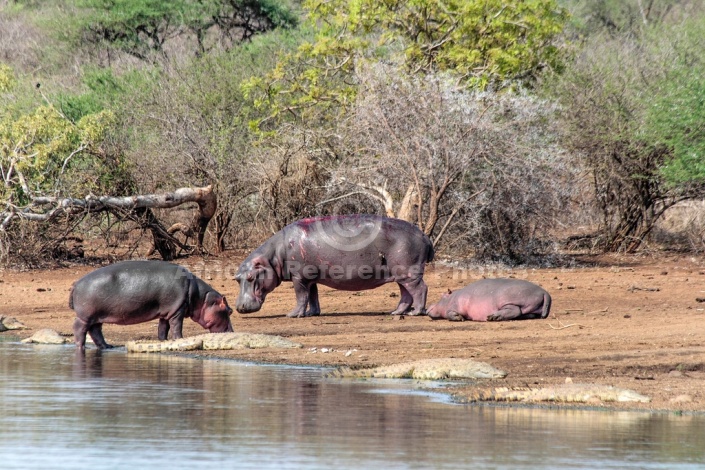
column 47, row 336
column 9, row 323
column 564, row 393
column 428, row 369
column 213, row 341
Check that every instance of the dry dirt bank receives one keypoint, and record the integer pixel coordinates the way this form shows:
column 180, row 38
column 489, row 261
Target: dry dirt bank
column 632, row 322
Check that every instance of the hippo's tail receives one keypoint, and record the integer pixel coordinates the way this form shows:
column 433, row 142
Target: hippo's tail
column 71, row 298
column 546, row 305
column 431, row 252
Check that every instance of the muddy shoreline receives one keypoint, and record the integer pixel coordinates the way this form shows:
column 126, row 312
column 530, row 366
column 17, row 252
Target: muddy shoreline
column 629, row 322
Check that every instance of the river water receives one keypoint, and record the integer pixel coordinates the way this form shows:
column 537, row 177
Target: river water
column 115, row 410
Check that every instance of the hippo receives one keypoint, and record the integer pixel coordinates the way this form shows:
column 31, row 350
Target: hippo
column 493, row 300
column 133, row 292
column 345, row 252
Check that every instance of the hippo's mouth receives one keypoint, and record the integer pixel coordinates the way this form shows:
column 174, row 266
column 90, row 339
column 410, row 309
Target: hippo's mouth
column 248, row 308
column 218, row 326
column 252, row 305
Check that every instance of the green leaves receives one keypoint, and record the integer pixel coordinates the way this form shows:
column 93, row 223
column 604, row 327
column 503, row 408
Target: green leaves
column 43, row 152
column 7, row 78
column 483, row 42
column 36, row 149
column 675, row 116
column 142, row 28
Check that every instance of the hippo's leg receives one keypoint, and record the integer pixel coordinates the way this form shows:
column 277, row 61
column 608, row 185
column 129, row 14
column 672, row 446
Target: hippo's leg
column 452, row 315
column 508, row 312
column 177, row 324
column 418, row 290
column 314, row 308
column 405, row 301
column 96, row 333
column 302, row 295
column 163, row 330
column 80, row 328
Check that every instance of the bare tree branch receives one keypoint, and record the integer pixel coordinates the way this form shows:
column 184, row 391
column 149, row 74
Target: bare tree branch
column 48, row 208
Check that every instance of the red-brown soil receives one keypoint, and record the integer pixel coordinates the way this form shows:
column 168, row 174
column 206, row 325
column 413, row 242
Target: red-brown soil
column 632, row 322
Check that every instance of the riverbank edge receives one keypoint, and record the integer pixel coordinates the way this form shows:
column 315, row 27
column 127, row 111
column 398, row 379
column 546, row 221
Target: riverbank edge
column 446, row 388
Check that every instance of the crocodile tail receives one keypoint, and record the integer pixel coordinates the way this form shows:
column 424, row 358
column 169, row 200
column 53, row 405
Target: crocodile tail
column 546, row 305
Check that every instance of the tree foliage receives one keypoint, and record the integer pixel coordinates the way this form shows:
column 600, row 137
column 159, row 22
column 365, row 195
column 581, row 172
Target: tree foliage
column 634, row 107
column 193, row 124
column 142, row 28
column 42, row 152
column 627, row 17
column 675, row 113
column 7, row 78
column 481, row 172
column 483, row 43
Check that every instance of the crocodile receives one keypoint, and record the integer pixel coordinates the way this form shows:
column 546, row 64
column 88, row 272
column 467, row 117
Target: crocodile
column 47, row 336
column 9, row 323
column 210, row 341
column 564, row 393
column 427, row 369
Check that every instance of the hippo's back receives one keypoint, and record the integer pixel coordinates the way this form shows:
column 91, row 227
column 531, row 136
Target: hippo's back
column 129, row 281
column 496, row 293
column 364, row 233
column 502, row 287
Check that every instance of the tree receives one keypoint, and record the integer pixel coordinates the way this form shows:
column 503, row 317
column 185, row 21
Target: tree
column 474, row 171
column 142, row 28
column 484, row 43
column 191, row 126
column 44, row 153
column 676, row 113
column 634, row 114
column 627, row 17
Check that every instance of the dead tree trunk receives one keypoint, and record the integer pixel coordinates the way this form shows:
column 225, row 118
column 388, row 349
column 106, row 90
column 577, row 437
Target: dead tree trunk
column 136, row 208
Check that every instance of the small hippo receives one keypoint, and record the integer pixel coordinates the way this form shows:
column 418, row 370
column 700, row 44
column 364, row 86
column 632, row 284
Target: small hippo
column 133, row 292
column 347, row 252
column 493, row 300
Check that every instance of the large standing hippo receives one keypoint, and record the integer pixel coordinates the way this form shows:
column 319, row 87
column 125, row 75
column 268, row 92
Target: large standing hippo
column 493, row 300
column 347, row 252
column 139, row 291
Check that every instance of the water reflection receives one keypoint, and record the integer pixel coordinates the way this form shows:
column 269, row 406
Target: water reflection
column 115, row 410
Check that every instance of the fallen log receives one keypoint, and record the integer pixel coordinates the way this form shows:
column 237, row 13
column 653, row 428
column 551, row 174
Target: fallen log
column 136, row 208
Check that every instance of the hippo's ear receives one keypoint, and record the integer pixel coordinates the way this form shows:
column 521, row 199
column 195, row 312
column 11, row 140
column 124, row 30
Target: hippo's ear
column 224, row 305
column 262, row 265
column 450, row 291
column 212, row 297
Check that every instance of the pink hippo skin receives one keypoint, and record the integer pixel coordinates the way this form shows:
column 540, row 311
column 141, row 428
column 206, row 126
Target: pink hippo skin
column 493, row 300
column 140, row 291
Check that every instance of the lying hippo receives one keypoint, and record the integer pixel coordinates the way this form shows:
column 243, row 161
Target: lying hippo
column 139, row 291
column 493, row 300
column 353, row 252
